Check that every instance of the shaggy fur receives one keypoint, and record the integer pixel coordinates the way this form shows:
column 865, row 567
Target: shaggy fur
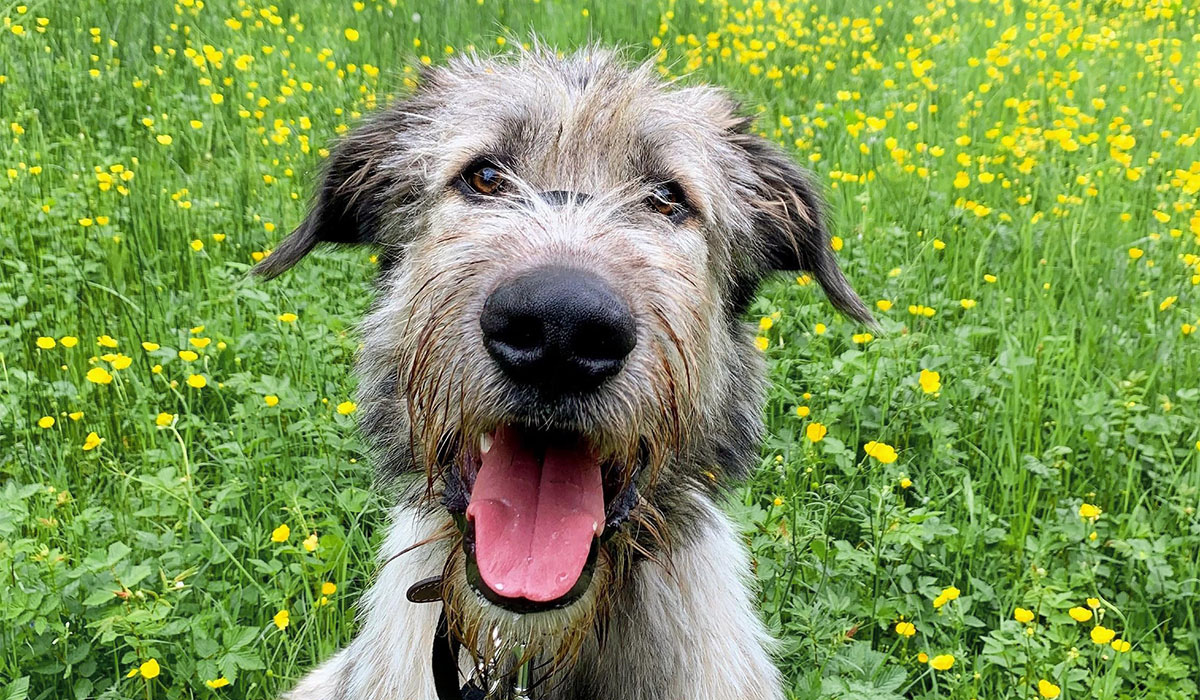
column 668, row 614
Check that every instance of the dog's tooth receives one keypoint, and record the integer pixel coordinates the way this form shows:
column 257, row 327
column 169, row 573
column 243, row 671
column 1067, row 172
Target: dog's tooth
column 485, row 443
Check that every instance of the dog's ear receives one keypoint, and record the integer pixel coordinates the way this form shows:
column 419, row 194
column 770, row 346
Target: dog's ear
column 355, row 188
column 788, row 216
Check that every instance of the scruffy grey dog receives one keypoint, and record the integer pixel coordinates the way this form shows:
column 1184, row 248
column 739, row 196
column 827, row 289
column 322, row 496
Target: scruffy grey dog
column 556, row 378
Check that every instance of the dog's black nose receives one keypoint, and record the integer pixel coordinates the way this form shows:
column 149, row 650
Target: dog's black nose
column 558, row 329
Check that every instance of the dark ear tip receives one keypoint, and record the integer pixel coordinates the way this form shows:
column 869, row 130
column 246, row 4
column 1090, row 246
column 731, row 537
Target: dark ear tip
column 854, row 307
column 289, row 252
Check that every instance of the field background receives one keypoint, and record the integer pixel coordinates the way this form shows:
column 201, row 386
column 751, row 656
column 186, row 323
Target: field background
column 1013, row 183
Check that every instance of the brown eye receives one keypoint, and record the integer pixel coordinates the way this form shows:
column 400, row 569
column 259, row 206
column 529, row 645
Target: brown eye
column 485, row 179
column 666, row 199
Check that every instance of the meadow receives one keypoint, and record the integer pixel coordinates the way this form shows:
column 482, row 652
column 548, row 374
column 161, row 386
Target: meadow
column 994, row 495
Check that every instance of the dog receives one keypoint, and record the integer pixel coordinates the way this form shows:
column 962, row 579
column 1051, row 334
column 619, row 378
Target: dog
column 556, row 379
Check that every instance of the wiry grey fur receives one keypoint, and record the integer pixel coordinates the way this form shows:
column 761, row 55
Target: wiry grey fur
column 669, row 614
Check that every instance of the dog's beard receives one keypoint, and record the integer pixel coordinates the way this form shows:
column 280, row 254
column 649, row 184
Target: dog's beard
column 500, row 640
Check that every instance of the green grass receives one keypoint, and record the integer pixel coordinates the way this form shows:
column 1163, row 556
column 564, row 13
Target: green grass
column 1070, row 381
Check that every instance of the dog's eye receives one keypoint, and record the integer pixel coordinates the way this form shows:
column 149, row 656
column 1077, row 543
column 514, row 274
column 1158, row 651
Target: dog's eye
column 485, row 178
column 666, row 199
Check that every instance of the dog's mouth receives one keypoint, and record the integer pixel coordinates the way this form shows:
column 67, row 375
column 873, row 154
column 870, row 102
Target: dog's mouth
column 534, row 507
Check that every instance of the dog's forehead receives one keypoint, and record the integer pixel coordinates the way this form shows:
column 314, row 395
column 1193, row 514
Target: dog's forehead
column 588, row 119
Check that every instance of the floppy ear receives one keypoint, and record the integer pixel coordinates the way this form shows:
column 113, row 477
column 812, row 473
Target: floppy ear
column 788, row 216
column 355, row 188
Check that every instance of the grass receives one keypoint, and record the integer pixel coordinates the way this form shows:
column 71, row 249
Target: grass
column 1017, row 179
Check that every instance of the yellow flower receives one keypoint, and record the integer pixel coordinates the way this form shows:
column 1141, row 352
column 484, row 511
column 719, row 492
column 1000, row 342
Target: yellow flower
column 91, row 442
column 75, row 415
column 156, row 369
column 777, row 502
column 820, row 329
column 905, row 629
column 281, row 619
column 69, row 341
column 931, row 382
column 990, row 279
column 271, row 400
column 351, row 34
column 310, row 543
column 1023, row 616
column 164, row 419
column 188, row 356
column 1089, row 511
column 1135, row 253
column 815, row 432
column 99, row 375
column 967, row 303
column 1080, row 614
column 197, row 381
column 121, row 362
column 803, row 411
column 905, row 482
column 1102, row 635
column 149, row 669
column 197, row 245
column 881, row 451
column 939, row 244
column 765, row 323
column 199, row 342
column 288, row 317
column 1093, row 603
column 281, row 533
column 164, row 139
column 45, row 342
column 923, row 658
column 1048, row 690
column 762, row 342
column 328, row 588
column 217, row 683
column 149, row 347
column 46, row 422
column 862, row 338
column 106, row 341
column 347, row 407
column 1167, row 303
column 1121, row 646
column 836, row 243
column 883, row 304
column 961, row 180
column 942, row 662
column 948, row 594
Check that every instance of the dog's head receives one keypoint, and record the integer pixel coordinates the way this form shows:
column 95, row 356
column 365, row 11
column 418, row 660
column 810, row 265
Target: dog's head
column 567, row 246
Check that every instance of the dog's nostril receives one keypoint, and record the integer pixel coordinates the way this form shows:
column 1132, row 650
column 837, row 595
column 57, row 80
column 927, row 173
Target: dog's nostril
column 558, row 329
column 520, row 332
column 606, row 339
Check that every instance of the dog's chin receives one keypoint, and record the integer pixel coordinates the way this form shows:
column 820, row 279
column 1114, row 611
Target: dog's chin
column 492, row 628
column 538, row 511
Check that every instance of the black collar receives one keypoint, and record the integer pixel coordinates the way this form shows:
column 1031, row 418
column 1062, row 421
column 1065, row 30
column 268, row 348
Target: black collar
column 444, row 657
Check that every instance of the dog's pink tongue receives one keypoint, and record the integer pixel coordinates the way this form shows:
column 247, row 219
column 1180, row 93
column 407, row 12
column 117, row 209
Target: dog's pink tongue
column 535, row 514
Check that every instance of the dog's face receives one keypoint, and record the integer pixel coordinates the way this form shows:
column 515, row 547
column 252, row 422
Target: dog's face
column 567, row 246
